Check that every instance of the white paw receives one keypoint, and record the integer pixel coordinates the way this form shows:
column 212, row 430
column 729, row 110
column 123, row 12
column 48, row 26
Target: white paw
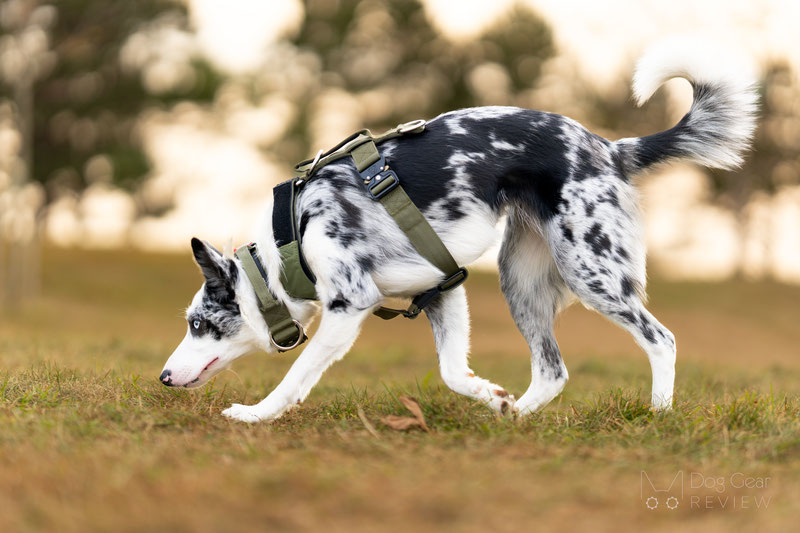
column 528, row 408
column 243, row 413
column 502, row 402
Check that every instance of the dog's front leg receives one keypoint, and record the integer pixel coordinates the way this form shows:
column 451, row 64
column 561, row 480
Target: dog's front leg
column 337, row 333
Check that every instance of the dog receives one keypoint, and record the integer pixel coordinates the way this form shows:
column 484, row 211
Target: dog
column 572, row 230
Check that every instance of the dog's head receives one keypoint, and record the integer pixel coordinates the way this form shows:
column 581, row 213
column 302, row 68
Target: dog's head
column 223, row 320
column 216, row 331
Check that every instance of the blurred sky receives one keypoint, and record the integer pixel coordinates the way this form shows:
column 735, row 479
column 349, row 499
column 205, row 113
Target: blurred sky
column 211, row 163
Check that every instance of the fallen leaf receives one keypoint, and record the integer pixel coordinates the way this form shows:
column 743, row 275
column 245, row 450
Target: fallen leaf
column 404, row 423
column 400, row 423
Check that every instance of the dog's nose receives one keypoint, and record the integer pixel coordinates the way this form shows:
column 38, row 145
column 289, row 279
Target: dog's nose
column 165, row 378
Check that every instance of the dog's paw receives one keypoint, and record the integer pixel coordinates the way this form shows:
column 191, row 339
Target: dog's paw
column 503, row 403
column 243, row 413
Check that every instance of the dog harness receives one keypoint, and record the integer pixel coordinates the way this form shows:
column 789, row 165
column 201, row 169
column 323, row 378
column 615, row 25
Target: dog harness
column 383, row 185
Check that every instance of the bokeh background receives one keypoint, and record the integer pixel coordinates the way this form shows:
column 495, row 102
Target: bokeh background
column 140, row 124
column 126, row 127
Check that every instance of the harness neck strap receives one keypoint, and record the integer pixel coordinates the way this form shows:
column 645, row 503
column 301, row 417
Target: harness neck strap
column 285, row 333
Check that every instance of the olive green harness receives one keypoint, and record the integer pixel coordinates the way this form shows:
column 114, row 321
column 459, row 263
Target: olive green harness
column 383, row 185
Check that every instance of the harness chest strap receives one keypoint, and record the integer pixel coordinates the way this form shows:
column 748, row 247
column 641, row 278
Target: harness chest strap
column 384, row 186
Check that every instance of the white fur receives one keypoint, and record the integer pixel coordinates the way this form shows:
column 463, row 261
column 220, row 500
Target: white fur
column 733, row 80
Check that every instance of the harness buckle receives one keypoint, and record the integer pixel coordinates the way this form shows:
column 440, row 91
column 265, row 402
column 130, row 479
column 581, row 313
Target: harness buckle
column 423, row 300
column 382, row 183
column 453, row 281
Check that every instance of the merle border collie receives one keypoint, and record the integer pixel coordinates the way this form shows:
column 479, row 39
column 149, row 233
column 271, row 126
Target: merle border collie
column 572, row 230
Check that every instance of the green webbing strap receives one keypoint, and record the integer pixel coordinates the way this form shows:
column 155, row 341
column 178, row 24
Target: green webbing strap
column 349, row 147
column 418, row 230
column 285, row 332
column 425, row 240
column 385, row 187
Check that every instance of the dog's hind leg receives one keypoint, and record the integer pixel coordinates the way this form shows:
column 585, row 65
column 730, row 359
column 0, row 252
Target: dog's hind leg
column 535, row 293
column 449, row 317
column 597, row 244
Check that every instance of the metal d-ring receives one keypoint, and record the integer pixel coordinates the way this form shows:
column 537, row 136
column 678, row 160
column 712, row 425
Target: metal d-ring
column 408, row 127
column 314, row 163
column 300, row 338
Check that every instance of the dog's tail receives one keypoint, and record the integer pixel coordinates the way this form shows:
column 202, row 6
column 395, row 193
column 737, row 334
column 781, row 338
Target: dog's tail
column 718, row 128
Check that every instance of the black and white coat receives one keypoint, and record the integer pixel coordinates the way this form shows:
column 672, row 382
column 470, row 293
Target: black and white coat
column 572, row 229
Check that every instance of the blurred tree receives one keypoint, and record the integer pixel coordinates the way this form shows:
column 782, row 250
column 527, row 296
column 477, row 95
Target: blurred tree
column 75, row 105
column 74, row 96
column 391, row 48
column 774, row 161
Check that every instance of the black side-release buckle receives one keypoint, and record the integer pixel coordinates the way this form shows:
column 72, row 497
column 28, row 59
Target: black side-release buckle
column 379, row 179
column 453, row 281
column 423, row 300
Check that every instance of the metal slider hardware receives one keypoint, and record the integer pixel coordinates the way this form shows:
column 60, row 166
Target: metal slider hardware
column 383, row 183
column 301, row 337
column 411, row 127
column 314, row 163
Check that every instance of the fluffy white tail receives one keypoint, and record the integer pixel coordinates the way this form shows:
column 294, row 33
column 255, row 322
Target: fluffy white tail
column 718, row 128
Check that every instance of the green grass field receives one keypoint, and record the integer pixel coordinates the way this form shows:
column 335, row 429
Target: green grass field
column 90, row 441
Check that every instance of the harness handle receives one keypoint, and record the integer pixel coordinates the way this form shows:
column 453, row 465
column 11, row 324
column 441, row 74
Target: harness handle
column 347, row 147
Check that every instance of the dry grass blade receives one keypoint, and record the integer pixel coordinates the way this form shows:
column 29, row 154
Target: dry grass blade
column 369, row 427
column 404, row 423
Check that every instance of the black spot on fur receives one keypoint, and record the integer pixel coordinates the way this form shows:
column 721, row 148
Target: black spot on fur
column 598, row 240
column 339, row 304
column 646, row 328
column 332, row 229
column 627, row 286
column 611, row 198
column 551, row 356
column 627, row 317
column 351, row 214
column 623, row 253
column 586, row 167
column 304, row 218
column 596, row 287
column 214, row 331
column 365, row 262
column 567, row 232
column 452, row 208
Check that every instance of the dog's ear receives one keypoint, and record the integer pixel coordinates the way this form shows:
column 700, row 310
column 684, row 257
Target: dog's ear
column 217, row 270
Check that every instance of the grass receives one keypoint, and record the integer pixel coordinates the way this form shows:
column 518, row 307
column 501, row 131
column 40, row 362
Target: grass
column 89, row 440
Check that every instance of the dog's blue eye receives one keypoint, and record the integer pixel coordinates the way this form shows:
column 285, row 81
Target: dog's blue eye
column 196, row 324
